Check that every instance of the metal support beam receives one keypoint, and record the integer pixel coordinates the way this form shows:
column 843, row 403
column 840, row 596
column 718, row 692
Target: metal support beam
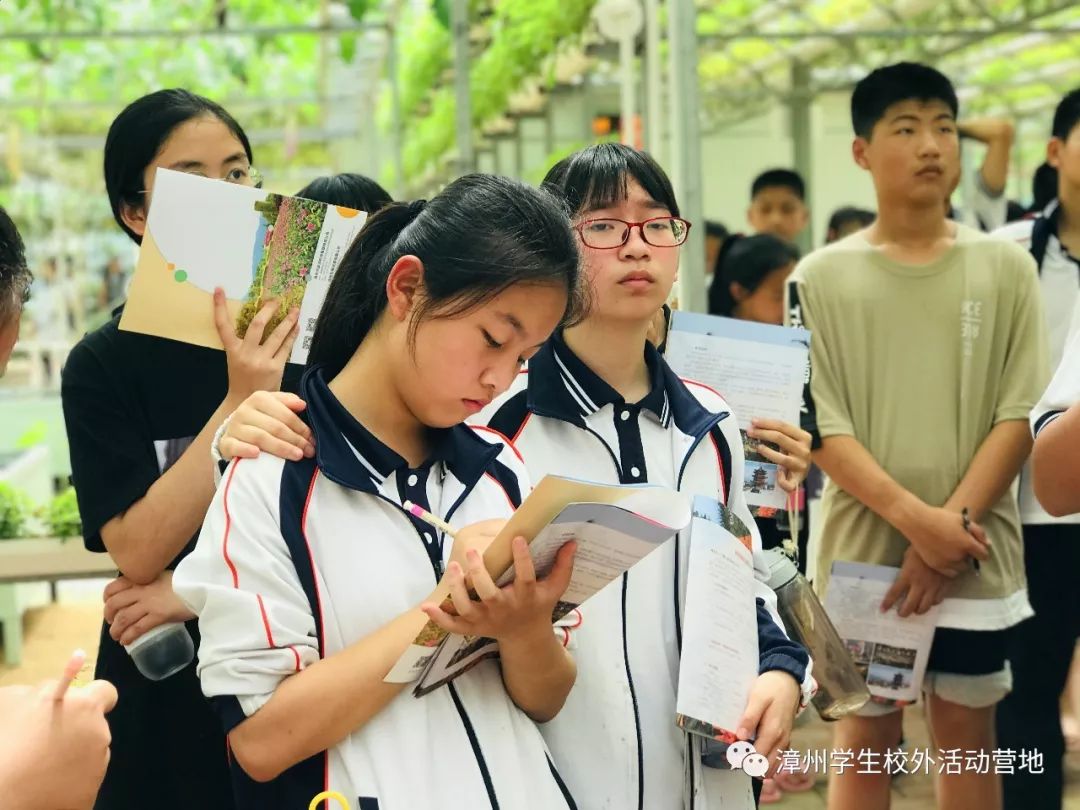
column 974, row 34
column 627, row 89
column 654, row 106
column 519, row 152
column 801, row 139
column 231, row 103
column 686, row 144
column 459, row 27
column 397, row 129
column 332, row 30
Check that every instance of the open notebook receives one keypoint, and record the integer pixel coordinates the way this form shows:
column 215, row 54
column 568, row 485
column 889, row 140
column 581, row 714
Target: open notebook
column 615, row 527
column 719, row 660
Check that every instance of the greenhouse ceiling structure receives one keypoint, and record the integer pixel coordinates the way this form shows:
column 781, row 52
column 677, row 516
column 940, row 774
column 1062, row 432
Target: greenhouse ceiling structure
column 307, row 75
column 69, row 64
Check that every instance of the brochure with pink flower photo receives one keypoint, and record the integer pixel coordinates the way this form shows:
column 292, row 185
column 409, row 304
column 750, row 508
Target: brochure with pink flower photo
column 254, row 244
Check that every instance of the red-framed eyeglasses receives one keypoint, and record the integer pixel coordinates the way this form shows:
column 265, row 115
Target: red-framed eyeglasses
column 609, row 233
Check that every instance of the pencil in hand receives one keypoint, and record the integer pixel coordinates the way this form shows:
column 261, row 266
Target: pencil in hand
column 428, row 518
column 967, row 528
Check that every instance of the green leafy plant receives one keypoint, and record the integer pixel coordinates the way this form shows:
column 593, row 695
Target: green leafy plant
column 358, row 8
column 62, row 515
column 37, row 433
column 425, row 52
column 15, row 509
column 524, row 33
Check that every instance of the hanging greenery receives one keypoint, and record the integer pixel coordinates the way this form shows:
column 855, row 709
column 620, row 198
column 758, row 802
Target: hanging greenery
column 426, row 52
column 523, row 34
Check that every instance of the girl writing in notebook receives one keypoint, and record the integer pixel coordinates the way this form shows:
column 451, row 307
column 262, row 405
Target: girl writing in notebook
column 598, row 402
column 310, row 578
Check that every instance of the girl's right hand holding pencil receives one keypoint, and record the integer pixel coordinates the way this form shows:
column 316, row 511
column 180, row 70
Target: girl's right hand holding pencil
column 474, row 537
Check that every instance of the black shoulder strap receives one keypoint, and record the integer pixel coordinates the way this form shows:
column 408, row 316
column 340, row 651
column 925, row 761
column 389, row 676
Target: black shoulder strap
column 1040, row 238
column 1045, row 226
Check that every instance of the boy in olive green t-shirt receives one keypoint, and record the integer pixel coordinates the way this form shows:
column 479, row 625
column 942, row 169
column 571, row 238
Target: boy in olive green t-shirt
column 928, row 354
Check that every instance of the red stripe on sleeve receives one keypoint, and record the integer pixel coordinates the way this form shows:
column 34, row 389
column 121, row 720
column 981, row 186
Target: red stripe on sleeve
column 311, row 558
column 266, row 623
column 228, row 525
column 576, row 624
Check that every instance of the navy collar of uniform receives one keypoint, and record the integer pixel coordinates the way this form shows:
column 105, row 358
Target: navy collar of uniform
column 349, row 454
column 562, row 386
column 689, row 415
column 558, row 378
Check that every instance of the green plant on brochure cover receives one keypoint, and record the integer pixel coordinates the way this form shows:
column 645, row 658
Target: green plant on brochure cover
column 293, row 229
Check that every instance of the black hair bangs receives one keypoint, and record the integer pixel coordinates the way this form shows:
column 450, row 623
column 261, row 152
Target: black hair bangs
column 893, row 84
column 598, row 177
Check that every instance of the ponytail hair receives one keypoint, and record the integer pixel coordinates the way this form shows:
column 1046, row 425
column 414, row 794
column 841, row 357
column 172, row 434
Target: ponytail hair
column 747, row 261
column 481, row 235
column 349, row 190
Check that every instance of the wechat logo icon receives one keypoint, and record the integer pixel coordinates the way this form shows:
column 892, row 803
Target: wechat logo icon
column 742, row 756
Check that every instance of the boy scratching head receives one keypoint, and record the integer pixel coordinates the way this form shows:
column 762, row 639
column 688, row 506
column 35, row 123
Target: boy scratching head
column 778, row 204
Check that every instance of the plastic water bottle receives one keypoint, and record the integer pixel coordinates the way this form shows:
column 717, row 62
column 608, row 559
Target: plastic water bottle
column 163, row 651
column 841, row 689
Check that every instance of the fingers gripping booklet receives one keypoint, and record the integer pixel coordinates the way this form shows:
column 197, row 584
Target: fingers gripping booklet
column 890, row 652
column 614, row 527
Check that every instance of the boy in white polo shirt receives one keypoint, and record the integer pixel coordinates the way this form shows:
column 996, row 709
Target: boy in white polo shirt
column 1042, row 649
column 1056, row 425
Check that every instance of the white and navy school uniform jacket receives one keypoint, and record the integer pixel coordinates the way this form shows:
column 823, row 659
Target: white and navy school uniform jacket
column 1064, row 389
column 615, row 741
column 298, row 560
column 1059, row 283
